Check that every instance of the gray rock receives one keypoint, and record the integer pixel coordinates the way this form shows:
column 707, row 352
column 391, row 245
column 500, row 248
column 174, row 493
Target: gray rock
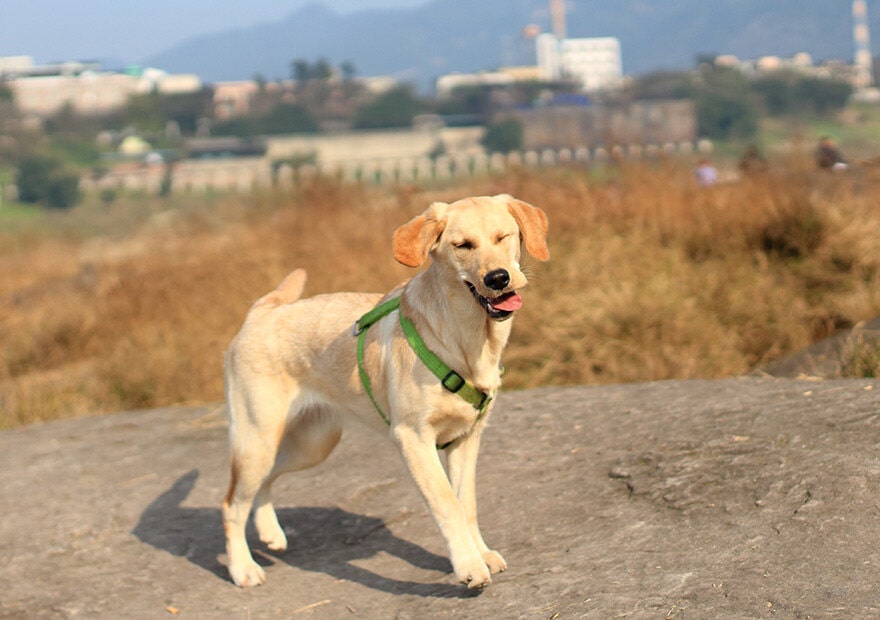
column 742, row 498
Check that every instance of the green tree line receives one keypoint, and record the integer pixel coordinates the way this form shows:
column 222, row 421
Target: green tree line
column 729, row 104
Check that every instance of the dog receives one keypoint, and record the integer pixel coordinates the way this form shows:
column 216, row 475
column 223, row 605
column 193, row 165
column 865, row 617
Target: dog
column 299, row 367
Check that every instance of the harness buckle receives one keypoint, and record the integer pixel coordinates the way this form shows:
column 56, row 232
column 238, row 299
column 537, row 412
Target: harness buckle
column 484, row 404
column 356, row 328
column 453, row 381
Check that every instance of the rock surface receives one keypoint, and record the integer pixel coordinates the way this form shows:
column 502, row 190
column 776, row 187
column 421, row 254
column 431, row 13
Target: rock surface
column 741, row 498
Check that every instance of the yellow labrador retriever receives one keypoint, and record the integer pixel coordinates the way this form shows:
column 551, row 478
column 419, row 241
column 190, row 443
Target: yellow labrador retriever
column 427, row 364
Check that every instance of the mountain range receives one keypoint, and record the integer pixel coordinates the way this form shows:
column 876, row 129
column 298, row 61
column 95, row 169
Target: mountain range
column 444, row 36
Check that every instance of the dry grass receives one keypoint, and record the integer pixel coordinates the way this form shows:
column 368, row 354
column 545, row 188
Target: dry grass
column 650, row 278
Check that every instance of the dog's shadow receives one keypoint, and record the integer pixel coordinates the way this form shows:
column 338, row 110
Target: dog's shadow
column 327, row 540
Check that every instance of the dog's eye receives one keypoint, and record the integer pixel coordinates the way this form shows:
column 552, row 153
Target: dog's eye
column 463, row 245
column 502, row 237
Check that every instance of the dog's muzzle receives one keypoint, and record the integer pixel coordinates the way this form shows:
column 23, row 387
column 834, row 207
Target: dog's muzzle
column 503, row 306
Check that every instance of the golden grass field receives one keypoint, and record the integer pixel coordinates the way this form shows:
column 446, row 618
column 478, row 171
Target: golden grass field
column 131, row 305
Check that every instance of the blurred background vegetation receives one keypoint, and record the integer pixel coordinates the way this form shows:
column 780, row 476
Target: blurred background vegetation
column 651, row 277
column 113, row 300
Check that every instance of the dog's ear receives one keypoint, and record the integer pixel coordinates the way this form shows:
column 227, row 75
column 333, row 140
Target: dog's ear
column 532, row 223
column 414, row 240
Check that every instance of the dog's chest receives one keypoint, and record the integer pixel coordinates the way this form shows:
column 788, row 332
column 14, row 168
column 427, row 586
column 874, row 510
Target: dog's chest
column 452, row 417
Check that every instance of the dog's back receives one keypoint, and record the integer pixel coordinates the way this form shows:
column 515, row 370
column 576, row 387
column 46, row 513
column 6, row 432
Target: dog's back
column 307, row 338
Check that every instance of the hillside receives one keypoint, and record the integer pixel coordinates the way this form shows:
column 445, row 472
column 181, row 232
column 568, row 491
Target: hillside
column 108, row 309
column 449, row 35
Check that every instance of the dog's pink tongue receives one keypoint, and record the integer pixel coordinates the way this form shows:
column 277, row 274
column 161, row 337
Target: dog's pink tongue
column 508, row 303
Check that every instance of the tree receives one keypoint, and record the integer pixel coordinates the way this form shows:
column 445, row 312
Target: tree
column 328, row 93
column 63, row 189
column 144, row 113
column 289, row 118
column 283, row 118
column 322, row 70
column 786, row 92
column 824, row 95
column 302, row 71
column 776, row 93
column 46, row 180
column 186, row 109
column 724, row 104
column 473, row 100
column 350, row 87
column 348, row 71
column 661, row 85
column 503, row 136
column 726, row 115
column 394, row 108
column 13, row 140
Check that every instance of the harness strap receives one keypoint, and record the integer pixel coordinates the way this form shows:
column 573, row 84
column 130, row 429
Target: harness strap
column 449, row 379
column 359, row 329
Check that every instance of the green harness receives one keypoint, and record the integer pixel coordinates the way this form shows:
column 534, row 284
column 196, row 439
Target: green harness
column 449, row 379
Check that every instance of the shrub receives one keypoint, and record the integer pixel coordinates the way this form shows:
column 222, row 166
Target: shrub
column 503, row 136
column 725, row 105
column 394, row 108
column 785, row 92
column 46, row 180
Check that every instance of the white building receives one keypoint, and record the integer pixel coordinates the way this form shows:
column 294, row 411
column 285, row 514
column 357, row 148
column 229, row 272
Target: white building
column 15, row 64
column 504, row 76
column 594, row 63
column 43, row 90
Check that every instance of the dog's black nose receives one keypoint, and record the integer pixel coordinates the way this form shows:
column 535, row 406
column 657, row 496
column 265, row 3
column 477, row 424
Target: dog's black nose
column 497, row 279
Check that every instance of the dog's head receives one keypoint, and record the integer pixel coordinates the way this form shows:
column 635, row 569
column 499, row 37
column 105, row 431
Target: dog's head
column 479, row 241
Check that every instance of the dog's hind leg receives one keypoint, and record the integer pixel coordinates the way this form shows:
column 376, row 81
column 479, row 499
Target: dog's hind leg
column 247, row 474
column 256, row 426
column 306, row 441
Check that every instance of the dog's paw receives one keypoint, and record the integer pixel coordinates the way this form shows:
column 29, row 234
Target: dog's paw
column 474, row 574
column 270, row 531
column 276, row 540
column 247, row 575
column 494, row 561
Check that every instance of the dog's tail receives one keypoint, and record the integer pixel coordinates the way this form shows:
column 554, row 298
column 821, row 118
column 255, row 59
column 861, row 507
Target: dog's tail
column 287, row 292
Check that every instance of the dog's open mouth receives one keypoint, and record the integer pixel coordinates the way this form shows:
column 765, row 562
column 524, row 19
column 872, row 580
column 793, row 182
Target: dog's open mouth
column 498, row 308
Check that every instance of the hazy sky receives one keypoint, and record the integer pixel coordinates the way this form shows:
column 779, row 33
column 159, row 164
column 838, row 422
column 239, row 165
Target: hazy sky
column 131, row 30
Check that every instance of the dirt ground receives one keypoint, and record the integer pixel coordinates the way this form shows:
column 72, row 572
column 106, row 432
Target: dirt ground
column 741, row 498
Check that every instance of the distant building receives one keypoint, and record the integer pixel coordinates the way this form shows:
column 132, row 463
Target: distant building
column 377, row 84
column 801, row 63
column 89, row 94
column 594, row 63
column 43, row 90
column 239, row 98
column 12, row 65
column 502, row 77
column 176, row 83
column 234, row 98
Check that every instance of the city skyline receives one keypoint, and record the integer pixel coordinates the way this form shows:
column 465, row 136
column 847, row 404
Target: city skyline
column 430, row 39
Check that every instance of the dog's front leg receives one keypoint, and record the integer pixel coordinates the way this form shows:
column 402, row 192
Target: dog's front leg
column 463, row 473
column 420, row 454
